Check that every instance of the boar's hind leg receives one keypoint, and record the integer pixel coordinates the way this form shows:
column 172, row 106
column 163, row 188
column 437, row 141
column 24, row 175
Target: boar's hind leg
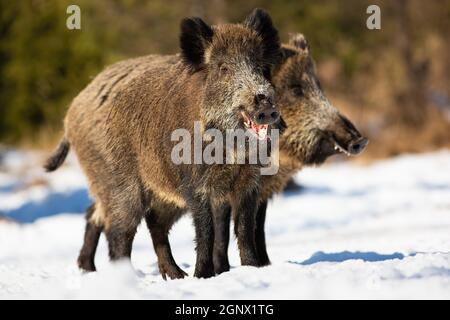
column 221, row 238
column 159, row 230
column 263, row 257
column 120, row 241
column 91, row 236
column 120, row 227
column 244, row 212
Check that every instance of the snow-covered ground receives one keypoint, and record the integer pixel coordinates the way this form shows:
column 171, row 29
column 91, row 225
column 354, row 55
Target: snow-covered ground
column 380, row 231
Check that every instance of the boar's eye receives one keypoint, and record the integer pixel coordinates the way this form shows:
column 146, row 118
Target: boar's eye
column 298, row 90
column 319, row 85
column 267, row 73
column 224, row 69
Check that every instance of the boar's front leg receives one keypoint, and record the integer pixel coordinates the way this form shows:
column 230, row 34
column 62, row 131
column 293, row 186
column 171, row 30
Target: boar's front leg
column 204, row 236
column 260, row 235
column 222, row 217
column 244, row 212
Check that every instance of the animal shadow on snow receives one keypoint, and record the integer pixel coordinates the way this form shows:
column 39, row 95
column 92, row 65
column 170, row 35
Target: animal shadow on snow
column 318, row 190
column 75, row 201
column 347, row 255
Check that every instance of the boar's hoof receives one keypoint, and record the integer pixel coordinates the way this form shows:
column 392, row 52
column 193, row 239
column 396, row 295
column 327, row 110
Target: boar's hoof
column 250, row 260
column 264, row 262
column 173, row 271
column 204, row 272
column 86, row 264
column 221, row 268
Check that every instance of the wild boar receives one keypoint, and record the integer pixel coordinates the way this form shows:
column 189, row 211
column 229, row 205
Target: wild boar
column 315, row 130
column 120, row 128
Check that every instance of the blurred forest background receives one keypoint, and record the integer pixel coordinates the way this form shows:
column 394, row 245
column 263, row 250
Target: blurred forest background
column 394, row 83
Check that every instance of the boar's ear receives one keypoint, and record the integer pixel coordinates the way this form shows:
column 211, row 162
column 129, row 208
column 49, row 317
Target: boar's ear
column 260, row 21
column 286, row 53
column 194, row 38
column 299, row 41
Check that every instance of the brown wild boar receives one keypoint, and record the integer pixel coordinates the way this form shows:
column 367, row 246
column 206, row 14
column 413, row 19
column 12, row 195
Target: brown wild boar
column 120, row 128
column 315, row 131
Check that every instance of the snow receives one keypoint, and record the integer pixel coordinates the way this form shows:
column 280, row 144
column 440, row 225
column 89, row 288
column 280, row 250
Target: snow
column 376, row 231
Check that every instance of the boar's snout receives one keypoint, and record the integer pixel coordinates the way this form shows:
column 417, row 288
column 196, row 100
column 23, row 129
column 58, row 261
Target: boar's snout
column 347, row 138
column 267, row 113
column 357, row 146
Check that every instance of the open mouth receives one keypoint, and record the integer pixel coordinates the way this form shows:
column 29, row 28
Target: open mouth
column 258, row 130
column 354, row 147
column 339, row 149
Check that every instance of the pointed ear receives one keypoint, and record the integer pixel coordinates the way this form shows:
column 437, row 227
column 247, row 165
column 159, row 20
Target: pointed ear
column 260, row 21
column 195, row 36
column 299, row 41
column 287, row 52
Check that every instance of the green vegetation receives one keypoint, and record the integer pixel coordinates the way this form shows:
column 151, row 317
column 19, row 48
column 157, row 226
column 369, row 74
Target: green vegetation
column 43, row 65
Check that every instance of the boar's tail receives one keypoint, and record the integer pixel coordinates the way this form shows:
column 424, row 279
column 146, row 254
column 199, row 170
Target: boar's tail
column 58, row 157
